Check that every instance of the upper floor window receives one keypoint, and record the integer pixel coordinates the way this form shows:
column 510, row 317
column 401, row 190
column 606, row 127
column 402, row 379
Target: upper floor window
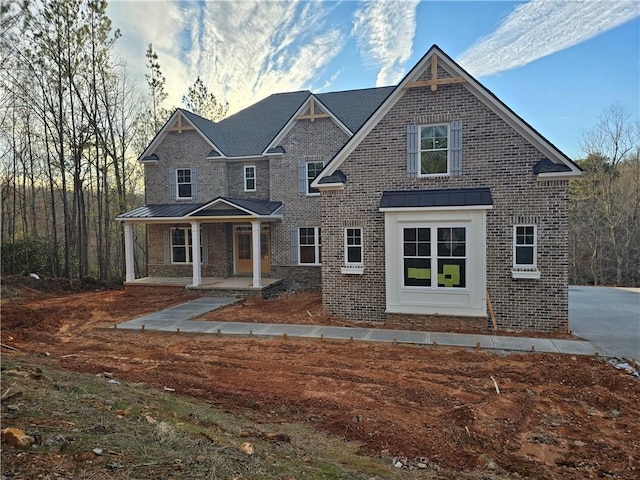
column 184, row 183
column 249, row 178
column 434, row 150
column 313, row 169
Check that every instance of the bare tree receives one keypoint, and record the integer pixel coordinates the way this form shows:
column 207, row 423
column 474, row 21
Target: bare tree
column 604, row 202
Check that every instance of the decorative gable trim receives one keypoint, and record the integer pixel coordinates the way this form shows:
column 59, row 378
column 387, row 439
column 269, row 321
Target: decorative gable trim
column 310, row 105
column 458, row 75
column 178, row 122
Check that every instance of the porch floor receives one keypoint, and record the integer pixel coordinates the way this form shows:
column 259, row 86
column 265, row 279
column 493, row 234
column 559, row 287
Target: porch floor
column 208, row 283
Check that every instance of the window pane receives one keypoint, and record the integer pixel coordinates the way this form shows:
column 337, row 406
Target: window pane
column 184, row 175
column 179, row 254
column 458, row 249
column 451, row 273
column 410, row 249
column 410, row 234
column 424, row 234
column 184, row 190
column 313, row 170
column 424, row 249
column 433, row 162
column 307, row 236
column 177, row 236
column 524, row 255
column 244, row 246
column 307, row 254
column 417, row 272
column 354, row 254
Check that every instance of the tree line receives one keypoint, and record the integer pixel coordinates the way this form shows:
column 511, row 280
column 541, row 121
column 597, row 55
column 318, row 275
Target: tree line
column 604, row 204
column 72, row 123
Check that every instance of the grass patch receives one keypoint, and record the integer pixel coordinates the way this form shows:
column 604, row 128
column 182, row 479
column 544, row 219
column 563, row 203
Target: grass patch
column 97, row 427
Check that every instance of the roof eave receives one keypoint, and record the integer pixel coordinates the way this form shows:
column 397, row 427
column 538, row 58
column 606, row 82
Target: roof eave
column 328, row 186
column 447, row 208
column 558, row 175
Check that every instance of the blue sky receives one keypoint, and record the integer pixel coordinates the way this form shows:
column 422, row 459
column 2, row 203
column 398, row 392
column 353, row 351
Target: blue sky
column 559, row 64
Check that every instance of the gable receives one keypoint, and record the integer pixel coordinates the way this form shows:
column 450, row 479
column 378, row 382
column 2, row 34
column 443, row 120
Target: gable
column 437, row 69
column 180, row 122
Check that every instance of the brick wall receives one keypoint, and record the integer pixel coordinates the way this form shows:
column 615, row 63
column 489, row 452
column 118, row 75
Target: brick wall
column 495, row 156
column 318, row 140
column 184, row 150
column 235, row 180
column 219, row 249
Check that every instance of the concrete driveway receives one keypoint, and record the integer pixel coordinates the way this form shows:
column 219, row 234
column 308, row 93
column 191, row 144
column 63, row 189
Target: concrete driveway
column 607, row 316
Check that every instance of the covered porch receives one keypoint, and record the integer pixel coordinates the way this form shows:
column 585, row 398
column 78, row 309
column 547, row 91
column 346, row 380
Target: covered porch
column 189, row 247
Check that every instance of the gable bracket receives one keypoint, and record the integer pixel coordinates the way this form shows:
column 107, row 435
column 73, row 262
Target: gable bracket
column 435, row 81
column 179, row 126
column 312, row 115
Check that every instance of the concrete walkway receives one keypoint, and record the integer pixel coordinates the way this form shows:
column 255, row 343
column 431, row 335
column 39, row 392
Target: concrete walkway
column 181, row 317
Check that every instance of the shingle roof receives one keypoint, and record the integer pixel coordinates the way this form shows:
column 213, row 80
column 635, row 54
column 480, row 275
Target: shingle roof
column 547, row 166
column 251, row 130
column 259, row 207
column 337, row 177
column 458, row 197
column 354, row 107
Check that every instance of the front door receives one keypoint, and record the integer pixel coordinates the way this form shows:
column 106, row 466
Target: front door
column 243, row 250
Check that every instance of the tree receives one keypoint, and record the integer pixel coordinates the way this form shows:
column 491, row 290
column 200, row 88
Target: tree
column 604, row 203
column 201, row 102
column 157, row 94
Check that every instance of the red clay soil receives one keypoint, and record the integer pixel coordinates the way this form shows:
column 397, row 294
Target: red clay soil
column 554, row 416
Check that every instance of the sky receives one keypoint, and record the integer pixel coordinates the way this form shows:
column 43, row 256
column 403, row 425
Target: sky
column 559, row 64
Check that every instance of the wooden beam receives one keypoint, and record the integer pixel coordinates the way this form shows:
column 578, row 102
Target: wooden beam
column 179, row 126
column 312, row 115
column 435, row 81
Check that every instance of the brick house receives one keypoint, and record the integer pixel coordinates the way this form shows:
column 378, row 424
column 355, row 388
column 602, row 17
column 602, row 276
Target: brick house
column 410, row 205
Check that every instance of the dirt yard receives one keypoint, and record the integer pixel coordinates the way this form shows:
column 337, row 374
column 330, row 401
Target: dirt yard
column 545, row 416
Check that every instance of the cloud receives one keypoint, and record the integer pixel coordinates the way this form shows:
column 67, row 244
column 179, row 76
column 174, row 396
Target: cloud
column 242, row 50
column 542, row 27
column 264, row 47
column 384, row 31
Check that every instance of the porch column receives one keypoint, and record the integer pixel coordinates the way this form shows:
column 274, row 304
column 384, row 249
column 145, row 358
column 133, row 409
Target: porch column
column 129, row 264
column 195, row 254
column 256, row 253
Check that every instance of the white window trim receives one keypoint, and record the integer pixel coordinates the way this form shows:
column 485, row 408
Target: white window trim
column 420, row 150
column 353, row 268
column 310, row 180
column 443, row 301
column 316, row 244
column 434, row 257
column 255, row 182
column 528, row 271
column 178, row 183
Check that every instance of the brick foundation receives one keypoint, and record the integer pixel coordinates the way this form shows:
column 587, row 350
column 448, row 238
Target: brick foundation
column 436, row 323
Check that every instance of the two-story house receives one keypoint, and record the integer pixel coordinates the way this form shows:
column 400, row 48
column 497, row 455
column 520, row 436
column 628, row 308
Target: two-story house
column 410, row 205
